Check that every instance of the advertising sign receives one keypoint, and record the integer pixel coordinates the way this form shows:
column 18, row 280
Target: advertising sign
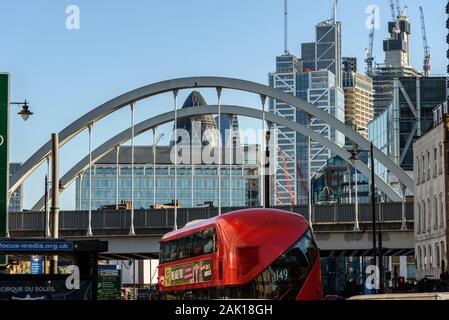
column 36, row 264
column 188, row 273
column 35, row 246
column 43, row 290
column 109, row 283
column 4, row 163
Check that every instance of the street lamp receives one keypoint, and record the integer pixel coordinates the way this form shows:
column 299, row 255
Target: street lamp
column 376, row 253
column 25, row 113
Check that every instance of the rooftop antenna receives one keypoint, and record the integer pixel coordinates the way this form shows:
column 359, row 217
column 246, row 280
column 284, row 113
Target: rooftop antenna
column 334, row 11
column 285, row 27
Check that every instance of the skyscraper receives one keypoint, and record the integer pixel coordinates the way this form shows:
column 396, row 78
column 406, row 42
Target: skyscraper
column 325, row 52
column 397, row 63
column 359, row 111
column 316, row 78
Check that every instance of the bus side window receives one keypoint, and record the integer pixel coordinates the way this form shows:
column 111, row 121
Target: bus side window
column 189, row 247
column 174, row 250
column 182, row 247
column 208, row 240
column 163, row 253
column 197, row 245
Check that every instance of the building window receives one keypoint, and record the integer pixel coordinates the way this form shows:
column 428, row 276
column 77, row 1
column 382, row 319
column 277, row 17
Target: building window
column 429, row 210
column 423, row 168
column 428, row 165
column 441, row 158
column 437, row 253
column 430, row 262
column 425, row 257
column 435, row 210
column 435, row 162
column 424, row 216
column 418, row 166
column 443, row 253
column 419, row 262
column 418, row 229
column 441, row 210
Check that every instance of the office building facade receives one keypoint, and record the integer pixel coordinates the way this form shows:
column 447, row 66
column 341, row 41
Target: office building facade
column 358, row 91
column 408, row 116
column 431, row 169
column 396, row 64
column 318, row 88
column 196, row 183
column 16, row 200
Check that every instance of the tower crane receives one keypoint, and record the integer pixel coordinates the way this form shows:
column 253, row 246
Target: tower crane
column 426, row 65
column 398, row 8
column 369, row 51
column 393, row 14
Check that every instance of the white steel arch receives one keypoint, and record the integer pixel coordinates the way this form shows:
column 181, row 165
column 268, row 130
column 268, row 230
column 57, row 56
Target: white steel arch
column 200, row 82
column 156, row 121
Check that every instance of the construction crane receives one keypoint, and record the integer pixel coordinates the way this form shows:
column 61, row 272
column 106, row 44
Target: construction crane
column 285, row 27
column 398, row 8
column 426, row 65
column 369, row 51
column 393, row 14
column 287, row 176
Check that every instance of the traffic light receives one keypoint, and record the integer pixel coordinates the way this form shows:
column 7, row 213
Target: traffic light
column 401, row 281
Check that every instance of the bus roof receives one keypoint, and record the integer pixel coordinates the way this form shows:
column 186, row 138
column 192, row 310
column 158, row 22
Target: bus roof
column 199, row 225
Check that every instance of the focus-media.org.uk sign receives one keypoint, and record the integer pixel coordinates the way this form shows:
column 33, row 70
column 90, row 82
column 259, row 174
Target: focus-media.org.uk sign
column 35, row 246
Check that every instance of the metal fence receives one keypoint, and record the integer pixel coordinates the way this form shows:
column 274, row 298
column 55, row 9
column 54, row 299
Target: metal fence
column 164, row 218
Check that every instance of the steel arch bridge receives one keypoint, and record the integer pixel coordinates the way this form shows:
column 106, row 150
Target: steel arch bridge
column 131, row 97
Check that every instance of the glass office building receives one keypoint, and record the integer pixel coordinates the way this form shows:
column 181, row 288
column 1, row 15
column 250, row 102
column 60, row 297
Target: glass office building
column 409, row 116
column 197, row 180
column 196, row 184
column 16, row 200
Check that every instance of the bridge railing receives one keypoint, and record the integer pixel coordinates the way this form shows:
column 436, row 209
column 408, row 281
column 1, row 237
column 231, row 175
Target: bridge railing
column 164, row 218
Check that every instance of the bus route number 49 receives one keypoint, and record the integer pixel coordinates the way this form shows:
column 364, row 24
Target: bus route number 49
column 280, row 274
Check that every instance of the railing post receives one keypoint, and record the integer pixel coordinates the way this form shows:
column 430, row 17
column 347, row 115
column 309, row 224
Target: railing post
column 404, row 218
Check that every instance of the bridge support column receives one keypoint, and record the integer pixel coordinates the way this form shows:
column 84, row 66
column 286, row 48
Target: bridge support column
column 117, row 171
column 404, row 218
column 47, row 207
column 175, row 200
column 309, row 171
column 89, row 226
column 219, row 149
column 131, row 228
column 356, row 226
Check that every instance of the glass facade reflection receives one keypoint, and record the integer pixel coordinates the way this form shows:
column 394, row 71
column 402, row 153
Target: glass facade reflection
column 196, row 184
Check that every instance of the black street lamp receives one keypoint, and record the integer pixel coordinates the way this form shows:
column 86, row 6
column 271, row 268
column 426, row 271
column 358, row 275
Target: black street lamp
column 377, row 252
column 25, row 113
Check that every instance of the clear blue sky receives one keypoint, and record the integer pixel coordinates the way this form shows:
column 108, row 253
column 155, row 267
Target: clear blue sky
column 122, row 45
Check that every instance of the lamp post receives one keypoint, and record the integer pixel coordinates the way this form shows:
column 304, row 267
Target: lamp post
column 5, row 105
column 376, row 253
column 25, row 113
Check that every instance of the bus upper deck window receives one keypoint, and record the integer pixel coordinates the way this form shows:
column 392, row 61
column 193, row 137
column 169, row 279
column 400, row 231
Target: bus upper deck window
column 208, row 238
column 174, row 250
column 197, row 245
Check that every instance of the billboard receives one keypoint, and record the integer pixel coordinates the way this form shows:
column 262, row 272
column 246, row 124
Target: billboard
column 109, row 283
column 188, row 273
column 19, row 289
column 4, row 163
column 36, row 264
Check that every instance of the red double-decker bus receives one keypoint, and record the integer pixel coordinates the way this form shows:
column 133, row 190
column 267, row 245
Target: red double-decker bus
column 245, row 254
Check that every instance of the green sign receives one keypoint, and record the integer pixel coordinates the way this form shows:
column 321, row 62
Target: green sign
column 4, row 162
column 189, row 273
column 109, row 283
